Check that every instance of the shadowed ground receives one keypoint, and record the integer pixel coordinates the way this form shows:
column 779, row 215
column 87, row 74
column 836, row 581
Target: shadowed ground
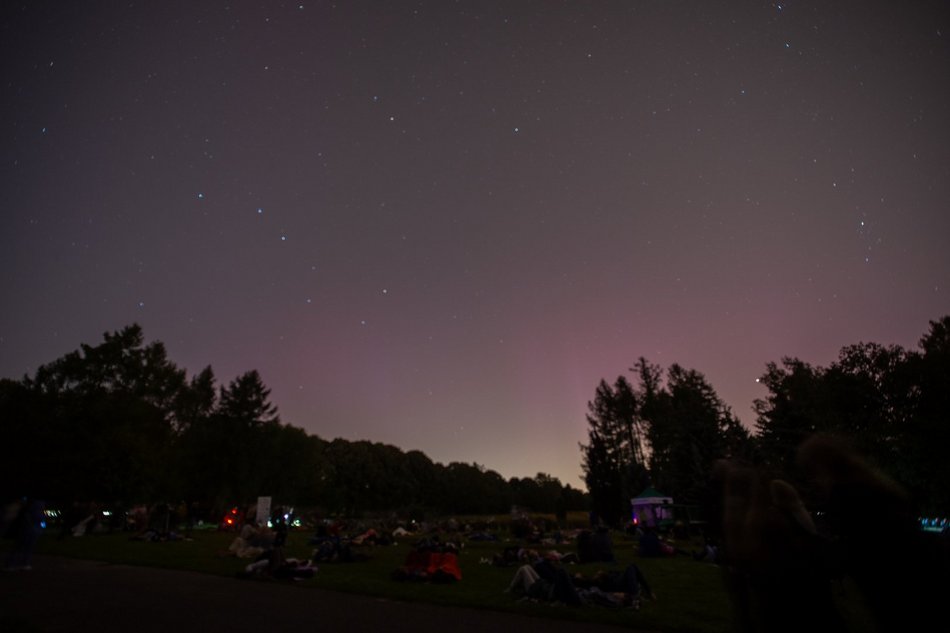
column 62, row 594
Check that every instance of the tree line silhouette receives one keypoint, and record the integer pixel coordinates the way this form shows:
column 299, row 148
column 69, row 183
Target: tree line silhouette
column 889, row 403
column 120, row 423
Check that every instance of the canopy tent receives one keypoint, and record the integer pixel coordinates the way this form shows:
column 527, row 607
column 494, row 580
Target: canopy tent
column 651, row 508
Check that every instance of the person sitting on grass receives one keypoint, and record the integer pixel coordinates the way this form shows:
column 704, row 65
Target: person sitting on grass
column 652, row 546
column 251, row 542
column 544, row 581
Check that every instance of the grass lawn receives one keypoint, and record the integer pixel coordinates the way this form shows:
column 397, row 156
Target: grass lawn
column 690, row 594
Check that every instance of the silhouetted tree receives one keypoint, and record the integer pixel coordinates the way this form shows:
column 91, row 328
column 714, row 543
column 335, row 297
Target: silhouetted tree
column 196, row 400
column 891, row 404
column 871, row 397
column 795, row 408
column 119, row 422
column 689, row 428
column 470, row 488
column 670, row 434
column 926, row 469
column 613, row 463
column 246, row 400
column 105, row 413
column 429, row 488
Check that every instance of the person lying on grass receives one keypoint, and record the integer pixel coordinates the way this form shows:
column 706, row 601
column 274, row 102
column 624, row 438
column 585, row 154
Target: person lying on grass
column 548, row 581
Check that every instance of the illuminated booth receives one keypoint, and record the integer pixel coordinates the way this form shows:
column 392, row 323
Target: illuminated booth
column 652, row 508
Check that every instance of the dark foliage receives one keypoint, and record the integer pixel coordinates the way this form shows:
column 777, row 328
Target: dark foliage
column 891, row 404
column 119, row 423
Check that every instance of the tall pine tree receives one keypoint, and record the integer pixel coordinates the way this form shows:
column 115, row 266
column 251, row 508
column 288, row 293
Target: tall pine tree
column 613, row 458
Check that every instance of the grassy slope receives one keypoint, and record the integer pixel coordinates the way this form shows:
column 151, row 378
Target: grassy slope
column 690, row 594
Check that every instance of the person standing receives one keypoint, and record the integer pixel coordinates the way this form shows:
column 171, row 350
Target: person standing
column 27, row 528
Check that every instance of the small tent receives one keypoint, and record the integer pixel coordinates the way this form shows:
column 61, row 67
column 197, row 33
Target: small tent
column 651, row 508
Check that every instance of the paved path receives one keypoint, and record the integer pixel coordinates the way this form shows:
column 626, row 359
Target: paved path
column 62, row 594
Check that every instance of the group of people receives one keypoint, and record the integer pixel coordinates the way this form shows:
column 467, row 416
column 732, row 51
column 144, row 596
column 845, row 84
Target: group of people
column 547, row 580
column 779, row 560
column 266, row 544
column 251, row 541
column 543, row 576
column 431, row 560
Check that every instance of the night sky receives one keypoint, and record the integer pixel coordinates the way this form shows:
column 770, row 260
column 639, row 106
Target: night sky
column 439, row 224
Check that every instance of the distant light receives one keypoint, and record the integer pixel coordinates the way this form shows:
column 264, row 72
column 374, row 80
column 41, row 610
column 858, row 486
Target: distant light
column 260, row 210
column 201, row 196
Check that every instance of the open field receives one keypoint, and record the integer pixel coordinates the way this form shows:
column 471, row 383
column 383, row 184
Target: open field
column 690, row 594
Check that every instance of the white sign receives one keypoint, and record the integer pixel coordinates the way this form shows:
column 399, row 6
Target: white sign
column 263, row 510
